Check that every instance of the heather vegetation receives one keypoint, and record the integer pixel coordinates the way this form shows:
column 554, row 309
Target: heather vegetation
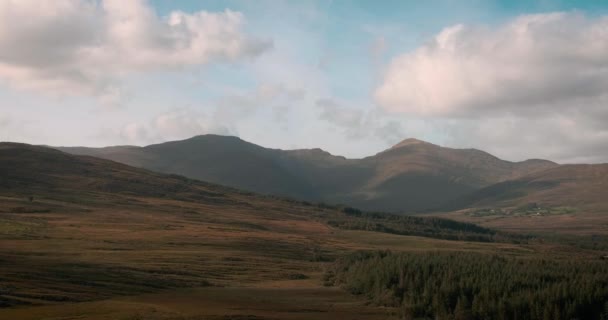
column 476, row 286
column 79, row 233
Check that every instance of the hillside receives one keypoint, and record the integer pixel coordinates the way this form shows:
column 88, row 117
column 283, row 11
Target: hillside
column 422, row 176
column 581, row 186
column 411, row 176
column 77, row 228
column 225, row 160
column 569, row 199
column 87, row 237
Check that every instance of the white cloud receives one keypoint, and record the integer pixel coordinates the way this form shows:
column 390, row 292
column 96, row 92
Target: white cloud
column 545, row 61
column 172, row 125
column 85, row 47
column 533, row 87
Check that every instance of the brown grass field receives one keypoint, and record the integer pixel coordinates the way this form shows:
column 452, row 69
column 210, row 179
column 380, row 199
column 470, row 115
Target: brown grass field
column 100, row 240
column 138, row 261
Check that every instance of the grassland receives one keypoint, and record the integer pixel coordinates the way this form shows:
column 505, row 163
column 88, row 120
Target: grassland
column 82, row 238
column 262, row 261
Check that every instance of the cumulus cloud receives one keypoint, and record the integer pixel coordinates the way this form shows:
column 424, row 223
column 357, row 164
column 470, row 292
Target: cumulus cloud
column 544, row 61
column 172, row 125
column 532, row 87
column 85, row 46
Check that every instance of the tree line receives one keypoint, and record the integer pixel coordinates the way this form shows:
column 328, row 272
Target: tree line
column 463, row 286
column 354, row 219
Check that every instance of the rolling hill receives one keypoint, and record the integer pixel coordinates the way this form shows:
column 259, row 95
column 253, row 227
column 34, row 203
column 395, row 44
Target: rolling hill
column 78, row 233
column 568, row 199
column 411, row 176
column 582, row 186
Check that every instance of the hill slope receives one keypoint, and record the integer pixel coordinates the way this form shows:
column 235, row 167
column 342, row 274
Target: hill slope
column 44, row 173
column 422, row 176
column 411, row 176
column 580, row 186
column 78, row 228
column 569, row 199
column 217, row 159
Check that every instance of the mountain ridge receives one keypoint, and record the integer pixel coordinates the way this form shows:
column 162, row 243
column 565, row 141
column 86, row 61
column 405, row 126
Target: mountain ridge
column 413, row 175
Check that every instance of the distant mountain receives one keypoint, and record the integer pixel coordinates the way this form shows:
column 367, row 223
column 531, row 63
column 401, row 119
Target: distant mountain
column 41, row 180
column 581, row 186
column 411, row 176
column 423, row 176
column 224, row 160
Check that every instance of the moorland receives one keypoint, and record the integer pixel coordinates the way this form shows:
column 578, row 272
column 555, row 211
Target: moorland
column 88, row 238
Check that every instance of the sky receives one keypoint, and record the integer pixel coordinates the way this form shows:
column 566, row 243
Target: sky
column 518, row 79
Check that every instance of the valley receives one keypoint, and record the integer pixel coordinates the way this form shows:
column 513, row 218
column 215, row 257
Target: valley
column 84, row 237
column 303, row 160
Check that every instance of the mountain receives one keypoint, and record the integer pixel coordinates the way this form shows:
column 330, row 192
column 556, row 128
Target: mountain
column 411, row 176
column 582, row 187
column 33, row 170
column 422, row 175
column 79, row 228
column 88, row 238
column 225, row 160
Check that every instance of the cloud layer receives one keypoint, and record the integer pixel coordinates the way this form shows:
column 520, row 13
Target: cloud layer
column 85, row 47
column 547, row 61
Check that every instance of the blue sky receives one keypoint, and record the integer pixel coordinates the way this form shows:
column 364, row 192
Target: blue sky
column 351, row 77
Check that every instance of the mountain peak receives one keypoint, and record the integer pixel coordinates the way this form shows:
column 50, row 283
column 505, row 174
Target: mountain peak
column 410, row 142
